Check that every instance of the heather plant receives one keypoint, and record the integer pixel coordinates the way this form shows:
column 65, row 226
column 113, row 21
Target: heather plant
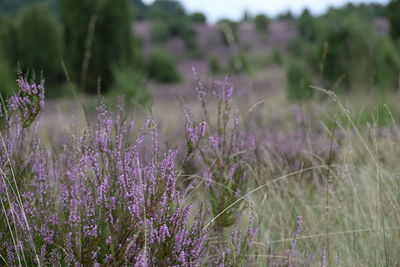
column 103, row 200
column 223, row 153
column 238, row 250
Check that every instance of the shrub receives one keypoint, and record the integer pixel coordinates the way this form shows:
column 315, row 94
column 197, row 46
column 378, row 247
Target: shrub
column 162, row 67
column 223, row 152
column 298, row 81
column 198, row 17
column 354, row 55
column 130, row 84
column 97, row 202
column 261, row 23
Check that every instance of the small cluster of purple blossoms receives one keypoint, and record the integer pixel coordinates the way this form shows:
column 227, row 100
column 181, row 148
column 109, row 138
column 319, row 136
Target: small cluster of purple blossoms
column 108, row 196
column 29, row 100
column 223, row 153
column 100, row 201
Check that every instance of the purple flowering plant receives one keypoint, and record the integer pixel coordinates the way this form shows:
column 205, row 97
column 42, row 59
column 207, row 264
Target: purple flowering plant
column 223, row 152
column 100, row 201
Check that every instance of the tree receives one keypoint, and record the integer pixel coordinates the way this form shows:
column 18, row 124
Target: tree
column 164, row 9
column 393, row 11
column 261, row 23
column 140, row 10
column 98, row 36
column 306, row 24
column 39, row 44
column 198, row 17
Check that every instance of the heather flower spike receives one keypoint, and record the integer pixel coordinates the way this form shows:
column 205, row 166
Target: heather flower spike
column 28, row 101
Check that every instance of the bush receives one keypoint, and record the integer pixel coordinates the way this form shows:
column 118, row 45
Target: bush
column 198, row 17
column 298, row 81
column 162, row 67
column 112, row 204
column 130, row 84
column 354, row 55
column 261, row 23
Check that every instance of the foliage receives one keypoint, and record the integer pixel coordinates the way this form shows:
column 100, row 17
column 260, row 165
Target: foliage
column 130, row 84
column 213, row 66
column 198, row 17
column 140, row 10
column 7, row 84
column 162, row 30
column 353, row 54
column 287, row 15
column 7, row 57
column 298, row 81
column 39, row 42
column 162, row 67
column 393, row 11
column 238, row 63
column 159, row 31
column 261, row 23
column 98, row 35
column 13, row 6
column 306, row 25
column 223, row 152
column 97, row 202
column 228, row 31
column 166, row 9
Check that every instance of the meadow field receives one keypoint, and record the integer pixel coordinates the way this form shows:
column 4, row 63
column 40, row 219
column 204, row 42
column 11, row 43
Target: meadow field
column 277, row 148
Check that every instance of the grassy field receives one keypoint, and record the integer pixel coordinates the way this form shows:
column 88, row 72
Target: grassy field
column 312, row 184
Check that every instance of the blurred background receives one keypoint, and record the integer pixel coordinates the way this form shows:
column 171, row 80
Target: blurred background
column 146, row 49
column 285, row 59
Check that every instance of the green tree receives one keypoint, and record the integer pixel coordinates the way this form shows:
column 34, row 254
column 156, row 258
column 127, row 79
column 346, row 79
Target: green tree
column 306, row 25
column 7, row 57
column 393, row 15
column 261, row 23
column 353, row 55
column 39, row 43
column 164, row 9
column 198, row 17
column 140, row 10
column 98, row 36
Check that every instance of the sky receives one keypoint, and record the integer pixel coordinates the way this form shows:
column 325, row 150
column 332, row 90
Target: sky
column 233, row 9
